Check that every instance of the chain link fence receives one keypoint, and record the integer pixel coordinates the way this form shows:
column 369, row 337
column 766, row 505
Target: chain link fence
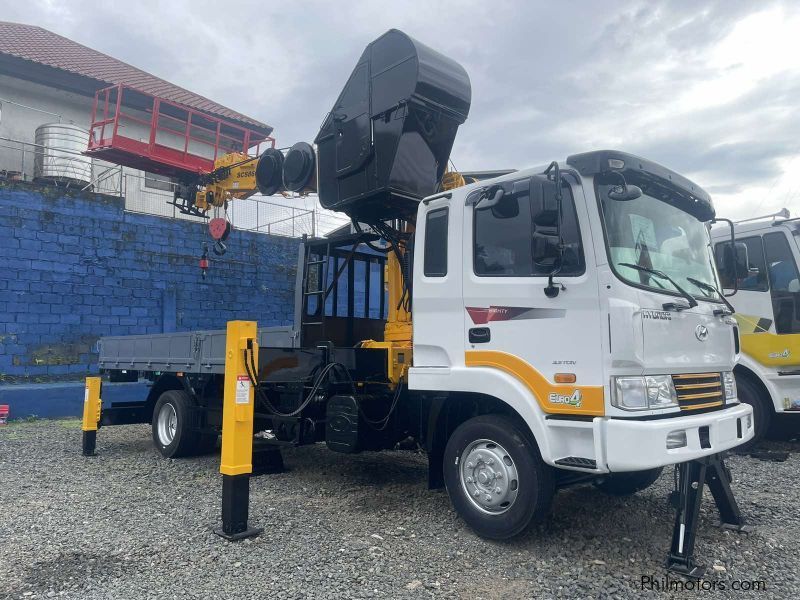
column 154, row 195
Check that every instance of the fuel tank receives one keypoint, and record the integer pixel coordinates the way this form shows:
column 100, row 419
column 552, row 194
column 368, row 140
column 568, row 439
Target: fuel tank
column 386, row 142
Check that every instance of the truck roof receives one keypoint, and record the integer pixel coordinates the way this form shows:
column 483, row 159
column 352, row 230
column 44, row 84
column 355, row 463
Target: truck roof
column 723, row 231
column 694, row 198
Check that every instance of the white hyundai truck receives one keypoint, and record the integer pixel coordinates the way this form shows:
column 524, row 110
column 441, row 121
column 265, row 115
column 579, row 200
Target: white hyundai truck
column 546, row 327
column 607, row 362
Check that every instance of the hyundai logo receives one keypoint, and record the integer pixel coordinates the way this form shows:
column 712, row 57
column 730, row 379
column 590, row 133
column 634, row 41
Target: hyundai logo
column 701, row 333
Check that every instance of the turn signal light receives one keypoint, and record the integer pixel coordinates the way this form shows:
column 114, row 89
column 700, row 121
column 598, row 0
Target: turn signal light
column 565, row 378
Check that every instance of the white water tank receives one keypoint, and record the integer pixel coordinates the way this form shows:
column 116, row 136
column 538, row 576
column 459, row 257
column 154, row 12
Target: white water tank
column 58, row 154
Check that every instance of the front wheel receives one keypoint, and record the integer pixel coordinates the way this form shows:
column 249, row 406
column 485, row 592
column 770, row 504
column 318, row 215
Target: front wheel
column 495, row 477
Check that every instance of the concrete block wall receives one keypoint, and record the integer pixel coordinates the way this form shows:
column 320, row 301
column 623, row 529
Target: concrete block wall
column 77, row 267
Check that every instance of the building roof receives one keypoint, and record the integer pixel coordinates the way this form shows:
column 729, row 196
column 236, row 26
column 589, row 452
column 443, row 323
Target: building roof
column 43, row 47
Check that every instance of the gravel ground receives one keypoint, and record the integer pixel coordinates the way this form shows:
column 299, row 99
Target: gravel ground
column 130, row 524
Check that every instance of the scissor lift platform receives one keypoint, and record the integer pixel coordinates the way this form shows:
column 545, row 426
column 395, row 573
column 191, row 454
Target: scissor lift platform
column 141, row 131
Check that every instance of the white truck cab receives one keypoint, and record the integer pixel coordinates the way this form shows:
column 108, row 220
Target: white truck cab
column 621, row 361
column 767, row 302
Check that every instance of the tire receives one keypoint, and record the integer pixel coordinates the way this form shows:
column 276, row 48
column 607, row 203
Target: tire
column 751, row 394
column 627, row 484
column 174, row 434
column 528, row 493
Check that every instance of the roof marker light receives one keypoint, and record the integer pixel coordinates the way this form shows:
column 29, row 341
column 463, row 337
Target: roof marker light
column 616, row 163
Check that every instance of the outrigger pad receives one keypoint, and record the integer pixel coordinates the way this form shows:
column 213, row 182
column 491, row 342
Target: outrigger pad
column 687, row 569
column 235, row 537
column 692, row 477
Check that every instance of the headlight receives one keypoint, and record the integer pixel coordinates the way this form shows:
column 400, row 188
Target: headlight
column 729, row 383
column 643, row 393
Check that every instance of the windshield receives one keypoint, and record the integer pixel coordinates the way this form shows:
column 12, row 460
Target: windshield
column 653, row 234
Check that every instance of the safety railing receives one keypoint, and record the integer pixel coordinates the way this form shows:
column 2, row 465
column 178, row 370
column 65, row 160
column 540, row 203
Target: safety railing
column 145, row 132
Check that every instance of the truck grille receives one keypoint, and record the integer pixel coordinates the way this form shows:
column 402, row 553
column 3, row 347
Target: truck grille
column 699, row 390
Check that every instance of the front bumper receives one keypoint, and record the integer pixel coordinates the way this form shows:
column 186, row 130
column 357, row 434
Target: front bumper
column 785, row 391
column 632, row 445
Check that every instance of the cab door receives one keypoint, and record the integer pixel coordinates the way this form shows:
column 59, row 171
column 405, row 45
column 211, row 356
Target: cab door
column 511, row 323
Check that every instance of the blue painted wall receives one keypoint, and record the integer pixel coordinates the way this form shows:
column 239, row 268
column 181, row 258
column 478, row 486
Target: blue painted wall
column 65, row 399
column 78, row 267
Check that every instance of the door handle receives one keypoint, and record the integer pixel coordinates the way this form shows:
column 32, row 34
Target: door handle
column 479, row 335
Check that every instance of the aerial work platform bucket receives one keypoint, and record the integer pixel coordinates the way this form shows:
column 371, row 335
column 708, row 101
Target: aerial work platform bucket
column 141, row 131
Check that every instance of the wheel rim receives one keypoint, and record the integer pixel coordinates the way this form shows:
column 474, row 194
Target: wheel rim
column 167, row 424
column 489, row 476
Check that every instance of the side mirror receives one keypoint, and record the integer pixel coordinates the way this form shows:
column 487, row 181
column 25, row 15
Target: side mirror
column 506, row 208
column 502, row 204
column 733, row 263
column 547, row 245
column 547, row 252
column 625, row 192
column 742, row 261
column 731, row 258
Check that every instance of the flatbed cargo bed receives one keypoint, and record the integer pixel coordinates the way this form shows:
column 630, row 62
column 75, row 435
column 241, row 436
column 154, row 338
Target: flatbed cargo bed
column 186, row 352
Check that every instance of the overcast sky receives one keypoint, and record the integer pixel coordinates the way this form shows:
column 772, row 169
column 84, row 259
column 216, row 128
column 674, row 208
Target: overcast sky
column 710, row 89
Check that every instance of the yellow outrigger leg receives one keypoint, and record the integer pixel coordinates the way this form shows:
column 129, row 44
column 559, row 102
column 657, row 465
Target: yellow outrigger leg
column 236, row 463
column 92, row 405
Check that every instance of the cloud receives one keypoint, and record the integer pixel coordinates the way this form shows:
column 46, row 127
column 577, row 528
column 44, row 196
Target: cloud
column 708, row 88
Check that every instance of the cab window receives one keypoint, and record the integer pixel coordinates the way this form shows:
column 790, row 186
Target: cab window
column 511, row 242
column 435, row 263
column 784, row 283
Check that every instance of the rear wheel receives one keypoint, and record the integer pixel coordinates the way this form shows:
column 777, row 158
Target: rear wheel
column 174, row 433
column 750, row 393
column 625, row 484
column 495, row 476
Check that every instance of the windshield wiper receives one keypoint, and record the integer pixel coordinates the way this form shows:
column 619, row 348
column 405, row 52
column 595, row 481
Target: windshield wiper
column 689, row 298
column 711, row 288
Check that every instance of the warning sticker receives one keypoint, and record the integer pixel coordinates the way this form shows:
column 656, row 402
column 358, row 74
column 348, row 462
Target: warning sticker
column 242, row 389
column 86, row 396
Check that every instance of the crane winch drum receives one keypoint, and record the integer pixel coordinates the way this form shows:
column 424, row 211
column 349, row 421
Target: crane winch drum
column 386, row 142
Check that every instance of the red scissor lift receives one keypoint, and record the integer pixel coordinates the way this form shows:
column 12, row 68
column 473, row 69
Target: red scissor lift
column 141, row 131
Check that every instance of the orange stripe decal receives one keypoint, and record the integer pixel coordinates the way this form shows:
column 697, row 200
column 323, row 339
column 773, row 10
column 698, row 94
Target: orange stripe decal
column 552, row 397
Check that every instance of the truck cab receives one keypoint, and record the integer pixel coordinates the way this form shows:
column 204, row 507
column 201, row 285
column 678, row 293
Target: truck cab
column 767, row 302
column 577, row 304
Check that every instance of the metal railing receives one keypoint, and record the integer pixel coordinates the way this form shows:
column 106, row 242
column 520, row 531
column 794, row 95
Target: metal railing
column 18, row 161
column 152, row 195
